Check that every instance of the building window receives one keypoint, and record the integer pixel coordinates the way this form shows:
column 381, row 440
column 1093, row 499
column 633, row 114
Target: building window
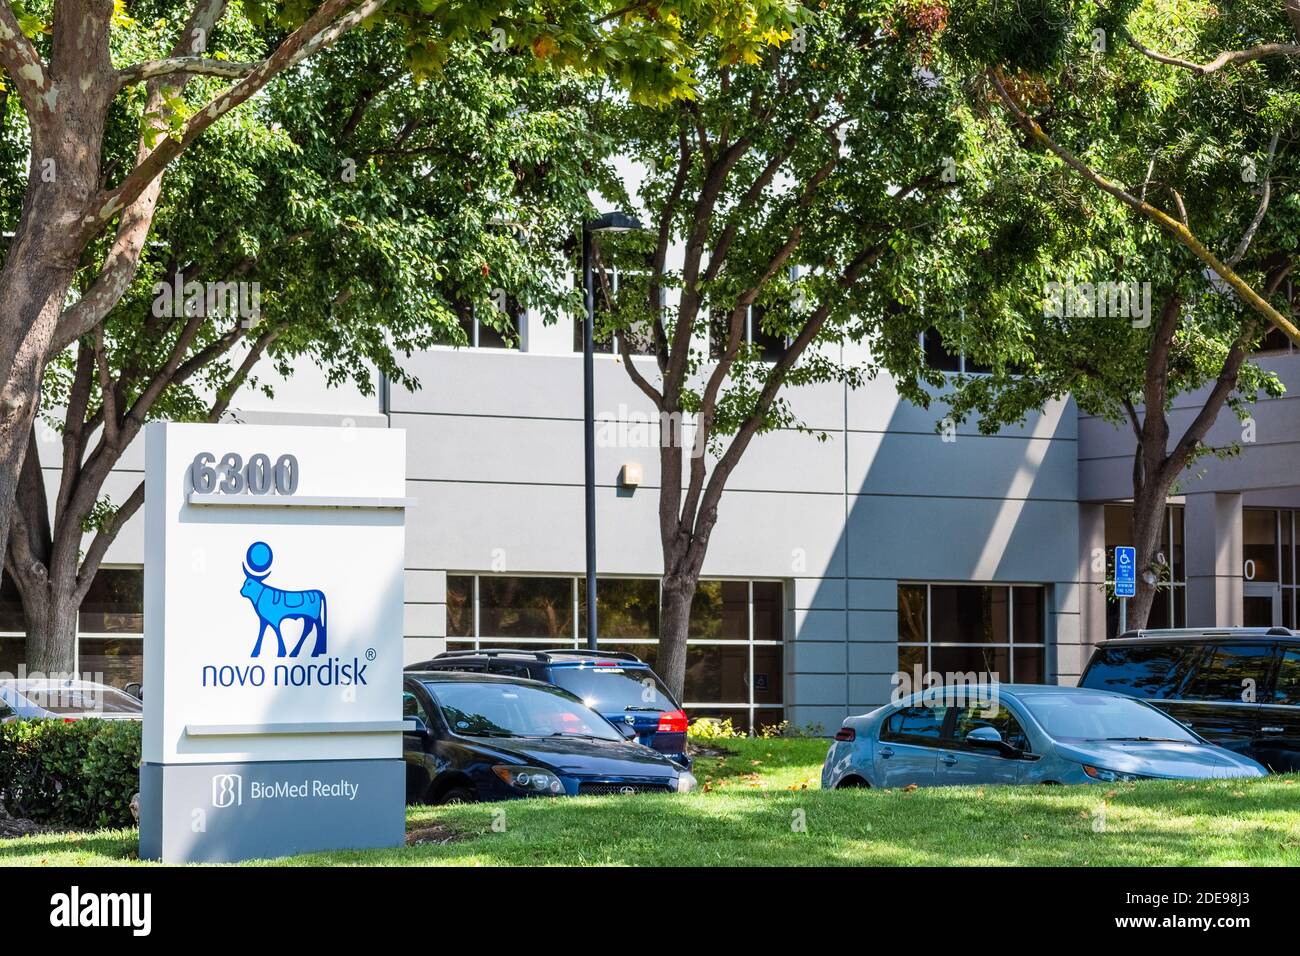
column 1275, row 342
column 503, row 329
column 735, row 661
column 998, row 632
column 943, row 358
column 1169, row 609
column 616, row 284
column 770, row 346
column 1269, row 558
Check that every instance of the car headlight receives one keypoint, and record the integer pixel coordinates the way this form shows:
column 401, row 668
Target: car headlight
column 686, row 782
column 531, row 780
column 1110, row 776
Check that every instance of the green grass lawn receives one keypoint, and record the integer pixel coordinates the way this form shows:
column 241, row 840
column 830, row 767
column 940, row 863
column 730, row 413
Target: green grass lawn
column 752, row 803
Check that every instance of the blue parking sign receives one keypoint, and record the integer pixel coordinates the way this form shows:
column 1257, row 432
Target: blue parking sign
column 1125, row 572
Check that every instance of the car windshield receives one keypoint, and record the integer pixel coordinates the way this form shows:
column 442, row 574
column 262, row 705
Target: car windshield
column 516, row 710
column 609, row 689
column 1102, row 717
column 83, row 700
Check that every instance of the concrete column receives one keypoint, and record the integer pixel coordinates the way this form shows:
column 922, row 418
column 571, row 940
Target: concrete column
column 1214, row 558
column 1092, row 573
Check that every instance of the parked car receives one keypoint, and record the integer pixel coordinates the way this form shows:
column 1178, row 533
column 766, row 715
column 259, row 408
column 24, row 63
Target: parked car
column 1029, row 733
column 475, row 736
column 67, row 700
column 618, row 685
column 1237, row 687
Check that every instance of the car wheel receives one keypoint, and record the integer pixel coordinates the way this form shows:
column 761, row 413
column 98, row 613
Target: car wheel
column 458, row 795
column 853, row 783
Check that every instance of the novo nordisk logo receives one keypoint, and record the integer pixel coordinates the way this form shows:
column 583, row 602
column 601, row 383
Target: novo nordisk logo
column 274, row 607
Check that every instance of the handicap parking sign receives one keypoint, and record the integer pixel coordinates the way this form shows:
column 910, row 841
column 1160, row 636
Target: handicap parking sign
column 1125, row 572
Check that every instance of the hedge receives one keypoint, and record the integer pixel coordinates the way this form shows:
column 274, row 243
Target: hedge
column 78, row 773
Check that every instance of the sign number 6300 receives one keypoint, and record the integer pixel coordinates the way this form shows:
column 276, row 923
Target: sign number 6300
column 233, row 476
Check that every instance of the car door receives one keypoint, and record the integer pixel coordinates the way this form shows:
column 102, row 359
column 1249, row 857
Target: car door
column 415, row 748
column 909, row 745
column 1278, row 744
column 1220, row 699
column 961, row 763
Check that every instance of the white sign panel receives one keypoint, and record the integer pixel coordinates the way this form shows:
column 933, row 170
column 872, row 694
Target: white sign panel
column 273, row 629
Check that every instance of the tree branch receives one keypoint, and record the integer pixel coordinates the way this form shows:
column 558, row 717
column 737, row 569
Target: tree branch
column 187, row 65
column 1226, row 58
column 24, row 66
column 1180, row 232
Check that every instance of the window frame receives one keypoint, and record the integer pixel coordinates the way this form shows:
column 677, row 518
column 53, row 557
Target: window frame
column 1010, row 645
column 746, row 709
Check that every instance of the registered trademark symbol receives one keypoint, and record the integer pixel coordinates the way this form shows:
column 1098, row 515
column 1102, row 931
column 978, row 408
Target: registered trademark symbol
column 370, row 654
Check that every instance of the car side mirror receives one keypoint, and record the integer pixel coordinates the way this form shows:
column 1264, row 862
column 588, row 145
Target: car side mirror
column 986, row 737
column 627, row 730
column 416, row 725
column 135, row 689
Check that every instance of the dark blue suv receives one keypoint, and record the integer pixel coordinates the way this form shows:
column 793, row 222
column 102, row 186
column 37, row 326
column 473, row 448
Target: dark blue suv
column 619, row 686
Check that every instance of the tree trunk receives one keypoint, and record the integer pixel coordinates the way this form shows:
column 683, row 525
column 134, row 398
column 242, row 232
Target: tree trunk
column 52, row 628
column 1149, row 510
column 674, row 624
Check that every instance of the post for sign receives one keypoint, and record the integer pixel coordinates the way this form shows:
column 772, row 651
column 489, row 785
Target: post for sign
column 1125, row 582
column 273, row 641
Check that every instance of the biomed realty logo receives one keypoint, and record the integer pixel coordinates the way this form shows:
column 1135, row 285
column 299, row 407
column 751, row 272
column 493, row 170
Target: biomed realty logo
column 77, row 909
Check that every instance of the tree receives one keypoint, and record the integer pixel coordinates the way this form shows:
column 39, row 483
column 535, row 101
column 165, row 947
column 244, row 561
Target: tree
column 1070, row 244
column 80, row 211
column 325, row 200
column 806, row 190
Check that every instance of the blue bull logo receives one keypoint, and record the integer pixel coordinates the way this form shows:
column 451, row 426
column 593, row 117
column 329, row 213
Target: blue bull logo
column 274, row 606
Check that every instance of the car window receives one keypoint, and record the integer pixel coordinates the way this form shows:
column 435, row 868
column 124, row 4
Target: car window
column 999, row 718
column 517, row 710
column 412, row 706
column 510, row 669
column 615, row 688
column 83, row 700
column 915, row 725
column 1082, row 716
column 1152, row 670
column 1288, row 678
column 1230, row 672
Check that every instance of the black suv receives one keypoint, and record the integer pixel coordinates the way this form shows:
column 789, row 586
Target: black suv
column 1238, row 687
column 619, row 686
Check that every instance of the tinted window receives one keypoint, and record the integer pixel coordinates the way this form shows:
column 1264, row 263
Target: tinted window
column 83, row 700
column 411, row 707
column 915, row 725
column 1001, row 720
column 1288, row 679
column 1101, row 717
column 517, row 710
column 1154, row 670
column 1230, row 672
column 614, row 688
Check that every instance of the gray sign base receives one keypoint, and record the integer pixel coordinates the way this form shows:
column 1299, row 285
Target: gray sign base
column 221, row 813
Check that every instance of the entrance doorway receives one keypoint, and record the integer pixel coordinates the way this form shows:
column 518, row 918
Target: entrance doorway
column 1261, row 605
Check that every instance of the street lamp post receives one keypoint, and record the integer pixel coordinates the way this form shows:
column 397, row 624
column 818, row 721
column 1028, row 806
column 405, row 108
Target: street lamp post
column 609, row 222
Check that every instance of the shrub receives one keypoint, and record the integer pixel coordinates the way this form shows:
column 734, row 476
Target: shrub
column 711, row 728
column 78, row 774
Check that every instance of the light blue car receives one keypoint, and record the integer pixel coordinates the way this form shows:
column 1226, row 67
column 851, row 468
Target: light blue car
column 1021, row 733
